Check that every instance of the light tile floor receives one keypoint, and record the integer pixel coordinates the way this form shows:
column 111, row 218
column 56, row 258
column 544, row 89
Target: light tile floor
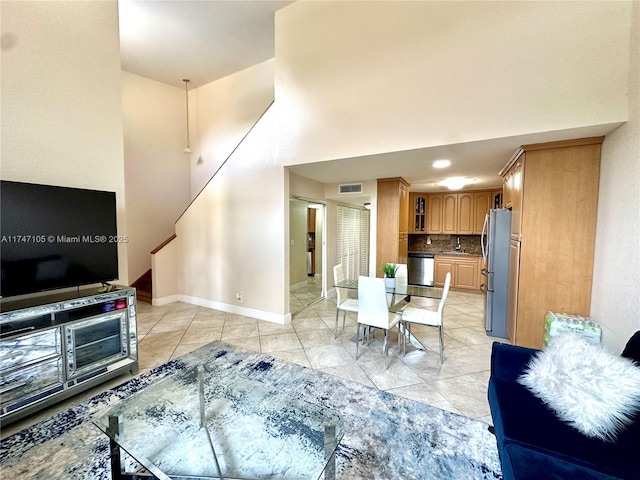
column 458, row 385
column 304, row 294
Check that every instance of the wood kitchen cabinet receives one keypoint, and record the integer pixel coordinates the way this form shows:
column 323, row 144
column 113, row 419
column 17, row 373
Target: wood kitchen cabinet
column 442, row 265
column 434, row 213
column 497, row 198
column 311, row 239
column 311, row 220
column 417, row 213
column 392, row 223
column 450, row 213
column 507, row 187
column 458, row 213
column 442, row 213
column 466, row 213
column 465, row 271
column 482, row 203
column 516, row 190
column 512, row 296
column 552, row 190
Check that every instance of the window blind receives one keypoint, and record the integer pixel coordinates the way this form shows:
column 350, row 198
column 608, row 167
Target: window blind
column 353, row 241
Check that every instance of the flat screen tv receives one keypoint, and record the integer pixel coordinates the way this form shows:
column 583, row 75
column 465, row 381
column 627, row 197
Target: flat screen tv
column 55, row 237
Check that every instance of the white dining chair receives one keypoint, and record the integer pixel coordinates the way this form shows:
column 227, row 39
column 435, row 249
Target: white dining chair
column 430, row 318
column 344, row 303
column 402, row 276
column 373, row 311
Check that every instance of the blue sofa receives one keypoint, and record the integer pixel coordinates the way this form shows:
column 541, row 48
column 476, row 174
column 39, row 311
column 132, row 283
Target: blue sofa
column 534, row 444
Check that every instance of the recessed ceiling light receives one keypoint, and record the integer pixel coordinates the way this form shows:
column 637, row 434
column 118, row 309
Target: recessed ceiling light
column 441, row 164
column 455, row 183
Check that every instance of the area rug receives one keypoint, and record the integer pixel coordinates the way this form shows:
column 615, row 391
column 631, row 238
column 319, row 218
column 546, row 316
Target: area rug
column 385, row 436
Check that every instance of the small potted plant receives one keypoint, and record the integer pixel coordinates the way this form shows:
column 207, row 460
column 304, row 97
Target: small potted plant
column 389, row 270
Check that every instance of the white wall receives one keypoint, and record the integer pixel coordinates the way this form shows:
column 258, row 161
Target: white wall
column 61, row 99
column 222, row 112
column 165, row 272
column 615, row 301
column 233, row 237
column 359, row 78
column 157, row 176
column 231, row 240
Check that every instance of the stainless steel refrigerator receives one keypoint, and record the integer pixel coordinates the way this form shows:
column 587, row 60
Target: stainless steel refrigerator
column 496, row 236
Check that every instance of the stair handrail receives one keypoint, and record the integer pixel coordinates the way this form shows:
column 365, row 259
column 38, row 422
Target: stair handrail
column 162, row 245
column 226, row 159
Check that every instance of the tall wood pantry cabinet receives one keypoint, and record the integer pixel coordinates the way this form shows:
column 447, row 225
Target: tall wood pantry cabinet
column 393, row 222
column 552, row 191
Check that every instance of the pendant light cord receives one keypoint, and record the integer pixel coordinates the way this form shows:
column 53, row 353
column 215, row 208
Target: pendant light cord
column 186, row 96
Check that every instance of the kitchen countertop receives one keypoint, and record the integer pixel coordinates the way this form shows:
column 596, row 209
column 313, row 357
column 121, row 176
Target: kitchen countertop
column 466, row 254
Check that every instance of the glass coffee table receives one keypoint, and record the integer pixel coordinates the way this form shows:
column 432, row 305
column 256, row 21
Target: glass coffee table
column 185, row 426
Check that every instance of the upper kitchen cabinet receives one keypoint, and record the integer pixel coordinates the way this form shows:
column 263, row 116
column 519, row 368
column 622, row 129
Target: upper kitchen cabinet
column 482, row 203
column 552, row 190
column 450, row 213
column 392, row 223
column 514, row 190
column 442, row 213
column 458, row 213
column 497, row 198
column 434, row 213
column 417, row 213
column 466, row 218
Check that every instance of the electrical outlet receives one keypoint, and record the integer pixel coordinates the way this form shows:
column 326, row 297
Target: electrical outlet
column 239, row 297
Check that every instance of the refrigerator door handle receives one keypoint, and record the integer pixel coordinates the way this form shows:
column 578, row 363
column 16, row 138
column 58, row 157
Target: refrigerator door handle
column 484, row 230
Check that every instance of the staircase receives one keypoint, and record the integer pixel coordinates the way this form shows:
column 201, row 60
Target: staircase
column 143, row 287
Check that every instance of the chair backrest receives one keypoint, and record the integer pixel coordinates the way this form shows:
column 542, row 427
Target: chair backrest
column 402, row 281
column 338, row 276
column 372, row 302
column 445, row 292
column 402, row 277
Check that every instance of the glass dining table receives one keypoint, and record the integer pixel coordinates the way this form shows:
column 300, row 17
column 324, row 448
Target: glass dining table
column 401, row 297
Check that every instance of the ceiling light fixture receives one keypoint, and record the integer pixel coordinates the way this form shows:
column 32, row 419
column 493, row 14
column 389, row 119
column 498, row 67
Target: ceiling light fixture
column 186, row 94
column 455, row 183
column 441, row 163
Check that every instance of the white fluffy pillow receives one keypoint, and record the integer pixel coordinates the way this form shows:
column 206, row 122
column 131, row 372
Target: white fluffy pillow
column 587, row 387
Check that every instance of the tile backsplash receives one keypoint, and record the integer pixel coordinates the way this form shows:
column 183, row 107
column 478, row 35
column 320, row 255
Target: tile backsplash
column 444, row 243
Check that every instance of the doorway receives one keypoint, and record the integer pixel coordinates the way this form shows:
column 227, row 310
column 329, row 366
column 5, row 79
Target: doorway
column 306, row 227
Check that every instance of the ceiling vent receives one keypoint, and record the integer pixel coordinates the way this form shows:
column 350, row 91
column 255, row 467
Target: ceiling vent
column 350, row 188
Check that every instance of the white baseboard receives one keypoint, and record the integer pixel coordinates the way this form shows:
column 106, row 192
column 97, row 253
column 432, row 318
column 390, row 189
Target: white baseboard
column 226, row 307
column 159, row 302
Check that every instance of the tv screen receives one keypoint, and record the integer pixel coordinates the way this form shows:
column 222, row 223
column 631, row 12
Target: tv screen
column 55, row 237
